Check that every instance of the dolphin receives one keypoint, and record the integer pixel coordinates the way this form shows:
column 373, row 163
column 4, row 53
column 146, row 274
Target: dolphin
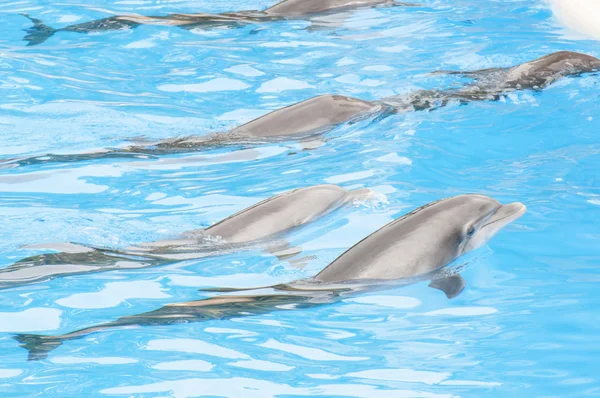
column 494, row 83
column 259, row 225
column 291, row 9
column 307, row 119
column 416, row 247
column 301, row 121
column 287, row 9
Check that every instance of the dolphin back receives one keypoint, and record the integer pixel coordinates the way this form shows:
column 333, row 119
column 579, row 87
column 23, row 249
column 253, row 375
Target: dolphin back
column 279, row 213
column 293, row 8
column 311, row 116
column 416, row 244
column 545, row 70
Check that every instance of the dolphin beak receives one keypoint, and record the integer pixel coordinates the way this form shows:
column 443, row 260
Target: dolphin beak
column 501, row 217
column 505, row 214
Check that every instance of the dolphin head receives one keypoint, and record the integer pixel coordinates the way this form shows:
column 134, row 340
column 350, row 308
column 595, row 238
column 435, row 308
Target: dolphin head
column 564, row 63
column 544, row 71
column 579, row 63
column 483, row 218
column 423, row 240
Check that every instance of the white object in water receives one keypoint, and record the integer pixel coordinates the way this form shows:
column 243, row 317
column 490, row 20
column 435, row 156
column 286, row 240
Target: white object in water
column 580, row 15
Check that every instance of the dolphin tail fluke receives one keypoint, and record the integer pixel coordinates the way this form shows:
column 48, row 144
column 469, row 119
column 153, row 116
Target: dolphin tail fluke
column 226, row 289
column 38, row 346
column 38, row 33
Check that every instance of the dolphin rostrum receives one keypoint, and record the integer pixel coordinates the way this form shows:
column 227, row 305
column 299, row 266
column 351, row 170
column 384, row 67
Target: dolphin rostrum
column 257, row 226
column 285, row 10
column 304, row 120
column 413, row 248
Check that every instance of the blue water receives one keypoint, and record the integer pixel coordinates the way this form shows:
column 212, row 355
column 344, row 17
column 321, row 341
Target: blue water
column 526, row 324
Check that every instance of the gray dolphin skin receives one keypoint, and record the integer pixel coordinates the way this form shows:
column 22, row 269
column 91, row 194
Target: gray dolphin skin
column 492, row 84
column 299, row 121
column 288, row 9
column 257, row 226
column 413, row 248
column 299, row 8
column 320, row 114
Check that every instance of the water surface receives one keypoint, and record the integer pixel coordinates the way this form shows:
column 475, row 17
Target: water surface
column 526, row 323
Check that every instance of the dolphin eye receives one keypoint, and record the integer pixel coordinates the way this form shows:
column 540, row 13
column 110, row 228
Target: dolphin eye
column 470, row 232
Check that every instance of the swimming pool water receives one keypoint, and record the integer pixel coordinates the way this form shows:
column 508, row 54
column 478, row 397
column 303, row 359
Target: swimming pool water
column 526, row 324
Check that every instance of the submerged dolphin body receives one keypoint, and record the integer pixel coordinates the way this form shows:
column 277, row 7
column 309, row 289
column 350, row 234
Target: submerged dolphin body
column 300, row 121
column 492, row 84
column 412, row 248
column 256, row 226
column 288, row 9
column 317, row 115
